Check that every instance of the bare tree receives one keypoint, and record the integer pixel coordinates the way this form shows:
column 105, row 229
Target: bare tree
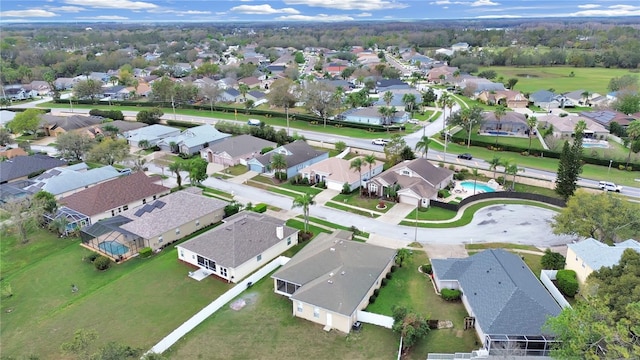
column 22, row 219
column 320, row 99
column 211, row 92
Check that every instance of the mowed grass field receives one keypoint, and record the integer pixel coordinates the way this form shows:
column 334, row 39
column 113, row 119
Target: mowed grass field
column 136, row 303
column 531, row 79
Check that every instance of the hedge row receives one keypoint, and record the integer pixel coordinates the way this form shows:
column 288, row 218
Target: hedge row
column 567, row 282
column 109, row 114
column 546, row 153
column 257, row 112
column 451, row 294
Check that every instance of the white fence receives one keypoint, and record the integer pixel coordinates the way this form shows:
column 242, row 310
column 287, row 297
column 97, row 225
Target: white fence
column 208, row 310
column 546, row 277
column 375, row 319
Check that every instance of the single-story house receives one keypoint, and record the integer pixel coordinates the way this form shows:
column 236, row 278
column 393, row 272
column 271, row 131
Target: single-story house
column 297, row 155
column 235, row 150
column 606, row 117
column 65, row 181
column 589, row 255
column 438, row 73
column 461, row 46
column 118, row 92
column 64, row 83
column 230, row 95
column 371, row 115
column 505, row 300
column 6, row 116
column 332, row 278
column 55, row 125
column 20, row 167
column 510, row 123
column 397, row 100
column 122, row 125
column 384, row 85
column 250, row 81
column 244, row 243
column 192, row 140
column 14, row 93
column 419, row 181
column 335, row 172
column 509, row 98
column 112, row 197
column 474, row 85
column 257, row 97
column 565, row 126
column 548, row 100
column 153, row 134
column 10, row 153
column 157, row 224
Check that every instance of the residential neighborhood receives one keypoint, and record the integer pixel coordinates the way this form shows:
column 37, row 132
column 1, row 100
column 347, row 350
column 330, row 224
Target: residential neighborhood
column 353, row 190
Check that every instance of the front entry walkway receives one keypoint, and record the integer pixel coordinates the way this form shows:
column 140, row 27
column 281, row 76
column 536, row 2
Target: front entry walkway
column 325, row 195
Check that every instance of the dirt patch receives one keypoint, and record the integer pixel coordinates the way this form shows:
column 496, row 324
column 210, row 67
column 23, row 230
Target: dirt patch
column 247, row 299
column 445, row 324
column 460, row 333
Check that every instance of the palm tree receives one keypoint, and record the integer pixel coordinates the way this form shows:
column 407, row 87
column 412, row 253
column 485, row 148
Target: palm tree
column 387, row 97
column 443, row 102
column 423, row 144
column 384, row 112
column 512, row 169
column 243, row 89
column 499, row 113
column 176, row 167
column 143, row 144
column 357, row 165
column 409, row 101
column 475, row 174
column 304, row 201
column 532, row 122
column 370, row 159
column 585, row 95
column 633, row 132
column 278, row 162
column 494, row 163
column 392, row 191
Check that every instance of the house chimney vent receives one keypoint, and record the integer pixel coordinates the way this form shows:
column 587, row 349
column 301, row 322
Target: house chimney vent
column 332, row 249
column 280, row 232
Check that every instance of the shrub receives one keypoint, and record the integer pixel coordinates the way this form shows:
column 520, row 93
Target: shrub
column 340, row 146
column 459, row 176
column 567, row 282
column 321, row 184
column 389, row 275
column 394, row 268
column 372, row 299
column 102, row 263
column 145, row 252
column 346, row 189
column 385, row 281
column 552, row 260
column 280, row 175
column 500, row 180
column 266, row 150
column 376, row 292
column 231, row 209
column 442, row 193
column 355, row 230
column 260, row 208
column 304, row 236
column 451, row 294
column 91, row 257
column 427, row 269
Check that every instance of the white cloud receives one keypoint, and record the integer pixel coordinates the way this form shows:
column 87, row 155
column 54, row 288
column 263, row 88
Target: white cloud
column 71, row 9
column 27, row 13
column 364, row 14
column 588, row 6
column 262, row 10
column 614, row 10
column 113, row 4
column 484, row 3
column 102, row 17
column 364, row 5
column 318, row 17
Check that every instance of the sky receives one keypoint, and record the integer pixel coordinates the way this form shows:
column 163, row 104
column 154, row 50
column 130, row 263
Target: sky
column 302, row 10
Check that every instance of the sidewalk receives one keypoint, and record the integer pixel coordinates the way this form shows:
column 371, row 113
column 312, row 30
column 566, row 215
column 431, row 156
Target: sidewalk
column 324, row 196
column 242, row 179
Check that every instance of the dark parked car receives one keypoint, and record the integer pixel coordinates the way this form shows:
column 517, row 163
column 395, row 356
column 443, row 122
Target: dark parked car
column 465, row 156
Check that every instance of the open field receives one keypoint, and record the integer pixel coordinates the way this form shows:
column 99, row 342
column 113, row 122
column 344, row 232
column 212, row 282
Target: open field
column 412, row 289
column 531, row 79
column 125, row 303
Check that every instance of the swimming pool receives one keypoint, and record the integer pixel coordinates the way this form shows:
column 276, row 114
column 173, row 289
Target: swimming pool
column 480, row 187
column 595, row 145
column 113, row 247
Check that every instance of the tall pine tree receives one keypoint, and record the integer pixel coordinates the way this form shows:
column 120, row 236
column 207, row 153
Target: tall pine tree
column 570, row 165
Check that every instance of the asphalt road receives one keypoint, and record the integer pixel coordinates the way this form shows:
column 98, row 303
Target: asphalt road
column 411, row 139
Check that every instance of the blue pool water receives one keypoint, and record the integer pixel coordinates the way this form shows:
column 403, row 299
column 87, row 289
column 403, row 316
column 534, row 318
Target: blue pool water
column 480, row 187
column 113, row 247
column 595, row 145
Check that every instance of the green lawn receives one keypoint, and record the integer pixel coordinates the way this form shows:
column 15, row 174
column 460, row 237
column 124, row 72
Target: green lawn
column 299, row 224
column 531, row 79
column 503, row 140
column 265, row 329
column 354, row 199
column 589, row 171
column 410, row 288
column 484, row 246
column 236, row 170
column 351, row 210
column 331, row 225
column 134, row 303
column 289, row 190
column 431, row 213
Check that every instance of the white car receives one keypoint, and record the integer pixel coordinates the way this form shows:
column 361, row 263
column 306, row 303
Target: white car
column 413, row 121
column 609, row 186
column 382, row 142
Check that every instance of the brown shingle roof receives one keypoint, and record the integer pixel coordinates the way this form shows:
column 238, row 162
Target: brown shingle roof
column 113, row 194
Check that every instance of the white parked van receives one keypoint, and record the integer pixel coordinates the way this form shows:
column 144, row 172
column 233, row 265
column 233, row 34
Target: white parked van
column 609, row 186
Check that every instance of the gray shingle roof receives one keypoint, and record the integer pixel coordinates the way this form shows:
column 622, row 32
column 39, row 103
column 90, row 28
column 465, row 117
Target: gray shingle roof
column 196, row 136
column 72, row 122
column 242, row 237
column 300, row 152
column 596, row 254
column 179, row 208
column 335, row 273
column 505, row 296
column 425, row 176
column 240, row 145
column 65, row 180
column 21, row 166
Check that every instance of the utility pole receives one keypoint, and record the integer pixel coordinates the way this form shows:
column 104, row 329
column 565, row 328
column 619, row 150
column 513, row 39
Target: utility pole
column 286, row 110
